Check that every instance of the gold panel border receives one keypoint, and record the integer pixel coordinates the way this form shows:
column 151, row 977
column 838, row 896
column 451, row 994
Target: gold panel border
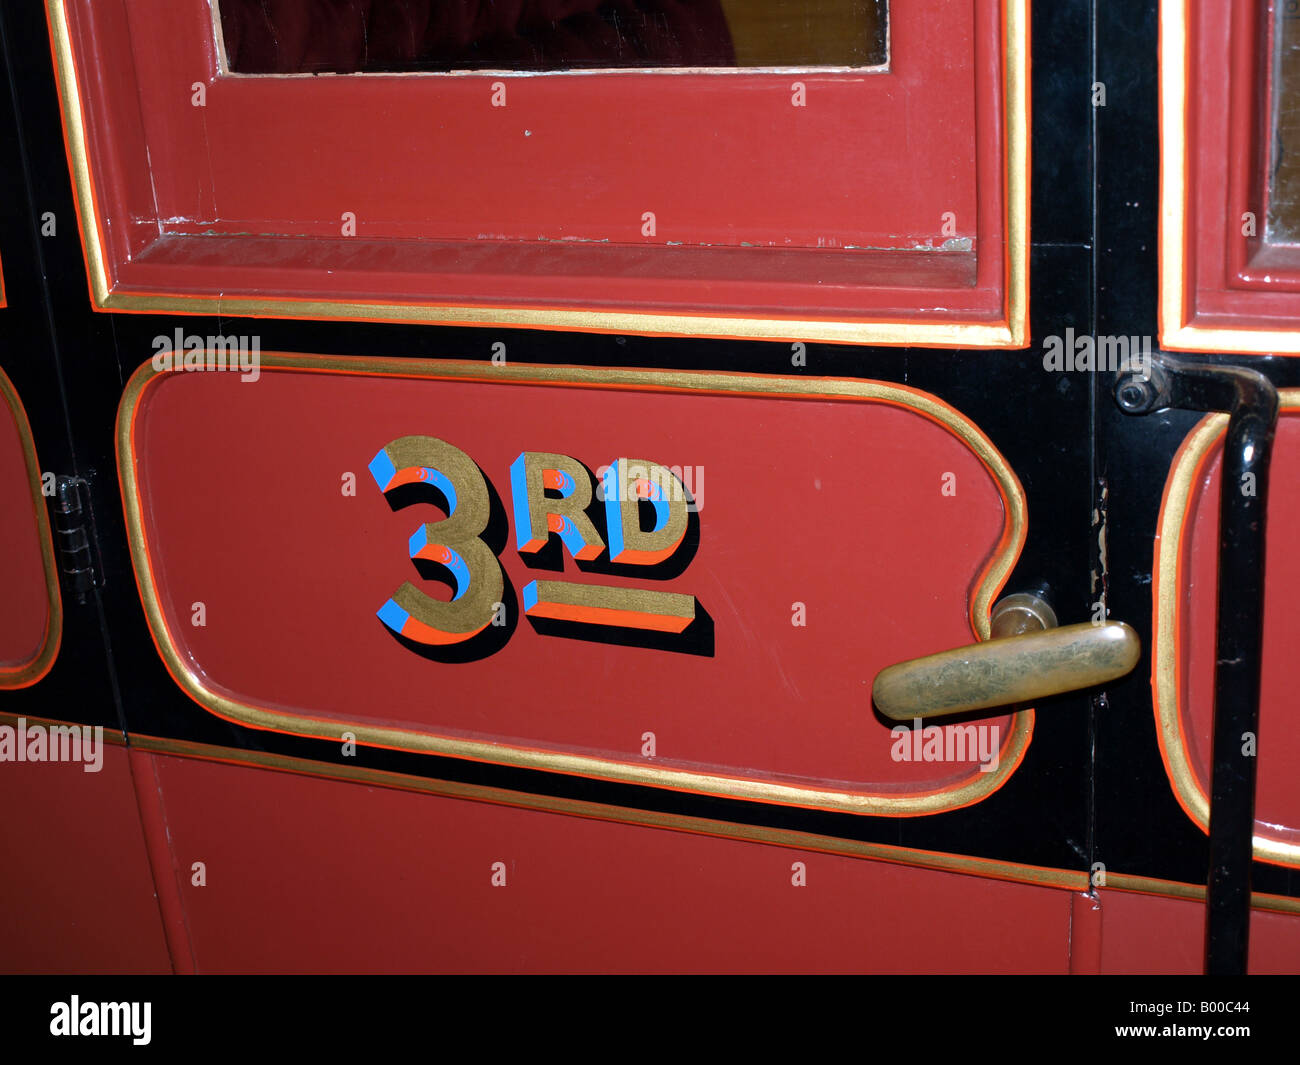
column 1074, row 880
column 1173, row 173
column 34, row 670
column 1166, row 597
column 986, row 586
column 1010, row 332
column 74, row 138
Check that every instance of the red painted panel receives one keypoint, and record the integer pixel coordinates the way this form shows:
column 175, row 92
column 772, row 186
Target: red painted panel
column 370, row 879
column 1150, row 934
column 77, row 895
column 1231, row 280
column 29, row 629
column 913, row 158
column 811, row 583
column 721, row 159
column 1278, row 802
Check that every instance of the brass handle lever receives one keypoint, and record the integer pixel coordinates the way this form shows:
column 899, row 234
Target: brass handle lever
column 1027, row 658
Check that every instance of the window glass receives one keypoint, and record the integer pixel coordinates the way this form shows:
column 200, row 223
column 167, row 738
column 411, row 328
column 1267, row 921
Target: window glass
column 346, row 36
column 1284, row 171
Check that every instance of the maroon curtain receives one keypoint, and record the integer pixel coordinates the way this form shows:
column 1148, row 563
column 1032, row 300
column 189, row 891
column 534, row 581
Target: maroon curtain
column 297, row 36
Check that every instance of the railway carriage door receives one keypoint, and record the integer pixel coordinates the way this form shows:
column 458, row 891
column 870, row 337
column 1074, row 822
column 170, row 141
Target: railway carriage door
column 616, row 485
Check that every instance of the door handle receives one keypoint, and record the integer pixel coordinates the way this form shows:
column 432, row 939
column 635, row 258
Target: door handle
column 1027, row 657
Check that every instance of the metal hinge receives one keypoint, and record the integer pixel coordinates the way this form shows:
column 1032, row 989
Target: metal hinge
column 75, row 538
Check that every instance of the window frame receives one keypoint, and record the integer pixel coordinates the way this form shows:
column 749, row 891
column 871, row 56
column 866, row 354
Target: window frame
column 143, row 260
column 1221, row 288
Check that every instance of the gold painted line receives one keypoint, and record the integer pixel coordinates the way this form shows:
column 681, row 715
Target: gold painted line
column 1184, row 476
column 1243, row 341
column 1146, row 885
column 938, row 861
column 1173, row 169
column 88, row 220
column 635, row 607
column 112, row 734
column 28, row 674
column 1019, row 148
column 934, row 861
column 848, row 331
column 891, row 804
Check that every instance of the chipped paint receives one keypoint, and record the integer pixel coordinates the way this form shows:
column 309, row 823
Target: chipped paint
column 1101, row 573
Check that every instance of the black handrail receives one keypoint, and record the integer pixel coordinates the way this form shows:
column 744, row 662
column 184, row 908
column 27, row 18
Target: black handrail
column 1251, row 402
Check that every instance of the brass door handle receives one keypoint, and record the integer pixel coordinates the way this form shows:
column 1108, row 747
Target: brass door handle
column 1027, row 658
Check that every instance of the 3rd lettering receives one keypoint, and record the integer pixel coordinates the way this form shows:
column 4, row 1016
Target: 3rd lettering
column 643, row 507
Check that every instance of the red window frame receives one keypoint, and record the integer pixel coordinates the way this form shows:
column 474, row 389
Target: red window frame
column 1221, row 288
column 818, row 222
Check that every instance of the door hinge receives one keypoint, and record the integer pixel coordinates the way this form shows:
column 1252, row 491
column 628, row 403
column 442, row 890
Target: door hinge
column 78, row 544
